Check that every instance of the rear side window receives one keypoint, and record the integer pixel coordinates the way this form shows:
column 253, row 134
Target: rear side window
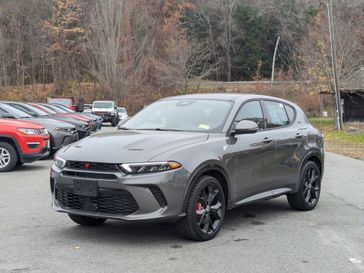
column 277, row 116
column 290, row 112
column 251, row 111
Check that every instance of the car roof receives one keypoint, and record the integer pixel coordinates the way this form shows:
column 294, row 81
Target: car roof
column 236, row 97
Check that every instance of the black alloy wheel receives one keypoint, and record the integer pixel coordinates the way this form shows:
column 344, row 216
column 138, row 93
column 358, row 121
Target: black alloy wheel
column 309, row 190
column 209, row 209
column 205, row 210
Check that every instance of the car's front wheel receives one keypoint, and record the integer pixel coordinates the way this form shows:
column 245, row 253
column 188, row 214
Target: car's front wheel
column 114, row 122
column 205, row 210
column 309, row 190
column 8, row 157
column 86, row 221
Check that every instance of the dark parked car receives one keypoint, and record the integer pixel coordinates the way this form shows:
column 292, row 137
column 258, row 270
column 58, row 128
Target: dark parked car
column 190, row 158
column 83, row 132
column 60, row 112
column 97, row 119
column 81, row 127
column 60, row 133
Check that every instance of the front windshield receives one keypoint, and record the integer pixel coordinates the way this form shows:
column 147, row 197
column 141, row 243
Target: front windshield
column 45, row 109
column 38, row 111
column 103, row 104
column 64, row 108
column 182, row 115
column 30, row 110
column 15, row 112
column 60, row 101
column 56, row 109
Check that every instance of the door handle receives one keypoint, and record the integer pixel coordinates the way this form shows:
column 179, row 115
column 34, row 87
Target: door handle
column 267, row 140
column 298, row 135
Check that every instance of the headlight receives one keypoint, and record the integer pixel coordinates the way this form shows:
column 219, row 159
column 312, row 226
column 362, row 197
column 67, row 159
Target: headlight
column 28, row 131
column 59, row 162
column 149, row 167
column 63, row 130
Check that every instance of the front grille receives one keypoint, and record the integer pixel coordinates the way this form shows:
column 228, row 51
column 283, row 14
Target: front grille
column 106, row 176
column 108, row 201
column 102, row 167
column 41, row 131
column 158, row 195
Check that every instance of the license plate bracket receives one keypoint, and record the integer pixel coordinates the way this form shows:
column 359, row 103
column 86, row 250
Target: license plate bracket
column 85, row 188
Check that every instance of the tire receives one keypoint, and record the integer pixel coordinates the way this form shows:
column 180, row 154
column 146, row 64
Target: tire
column 308, row 194
column 205, row 210
column 114, row 122
column 8, row 157
column 87, row 221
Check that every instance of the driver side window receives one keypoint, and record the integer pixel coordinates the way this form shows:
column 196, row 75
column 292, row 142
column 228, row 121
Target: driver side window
column 251, row 111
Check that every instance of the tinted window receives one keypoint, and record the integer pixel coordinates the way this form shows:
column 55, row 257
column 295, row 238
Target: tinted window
column 251, row 111
column 290, row 112
column 277, row 114
column 17, row 113
column 22, row 108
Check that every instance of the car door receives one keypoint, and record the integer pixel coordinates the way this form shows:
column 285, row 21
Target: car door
column 250, row 155
column 288, row 139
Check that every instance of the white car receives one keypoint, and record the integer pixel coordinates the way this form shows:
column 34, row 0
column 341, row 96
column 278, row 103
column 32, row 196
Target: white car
column 123, row 115
column 107, row 110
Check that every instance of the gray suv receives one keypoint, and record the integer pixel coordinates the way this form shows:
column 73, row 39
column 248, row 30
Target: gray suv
column 188, row 159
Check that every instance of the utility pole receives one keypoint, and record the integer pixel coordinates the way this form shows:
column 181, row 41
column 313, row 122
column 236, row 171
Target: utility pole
column 338, row 112
column 274, row 60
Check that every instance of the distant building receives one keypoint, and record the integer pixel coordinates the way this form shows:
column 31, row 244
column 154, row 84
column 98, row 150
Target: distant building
column 352, row 94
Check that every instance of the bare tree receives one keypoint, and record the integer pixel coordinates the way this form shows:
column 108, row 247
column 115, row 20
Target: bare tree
column 105, row 43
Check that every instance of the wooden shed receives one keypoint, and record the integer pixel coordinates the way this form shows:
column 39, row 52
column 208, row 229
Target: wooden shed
column 352, row 95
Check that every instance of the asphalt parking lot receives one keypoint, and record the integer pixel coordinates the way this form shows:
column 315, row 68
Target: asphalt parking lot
column 263, row 237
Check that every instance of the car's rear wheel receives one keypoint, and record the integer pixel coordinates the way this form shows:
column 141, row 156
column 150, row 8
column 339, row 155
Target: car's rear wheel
column 309, row 190
column 8, row 157
column 205, row 210
column 86, row 221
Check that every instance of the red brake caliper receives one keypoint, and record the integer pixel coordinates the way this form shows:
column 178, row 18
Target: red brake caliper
column 198, row 208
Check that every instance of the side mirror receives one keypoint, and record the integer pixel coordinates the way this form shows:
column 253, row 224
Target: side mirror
column 245, row 127
column 7, row 115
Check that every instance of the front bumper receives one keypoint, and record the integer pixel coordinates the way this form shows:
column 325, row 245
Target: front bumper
column 60, row 139
column 147, row 197
column 31, row 157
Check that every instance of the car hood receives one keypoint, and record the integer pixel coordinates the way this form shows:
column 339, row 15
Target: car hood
column 50, row 124
column 19, row 124
column 128, row 146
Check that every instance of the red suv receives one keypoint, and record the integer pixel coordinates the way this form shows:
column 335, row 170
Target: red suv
column 21, row 142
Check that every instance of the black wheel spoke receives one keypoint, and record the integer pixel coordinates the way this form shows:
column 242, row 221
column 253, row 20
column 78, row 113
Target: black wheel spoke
column 211, row 194
column 308, row 196
column 209, row 209
column 311, row 186
column 216, row 207
column 201, row 220
column 207, row 224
